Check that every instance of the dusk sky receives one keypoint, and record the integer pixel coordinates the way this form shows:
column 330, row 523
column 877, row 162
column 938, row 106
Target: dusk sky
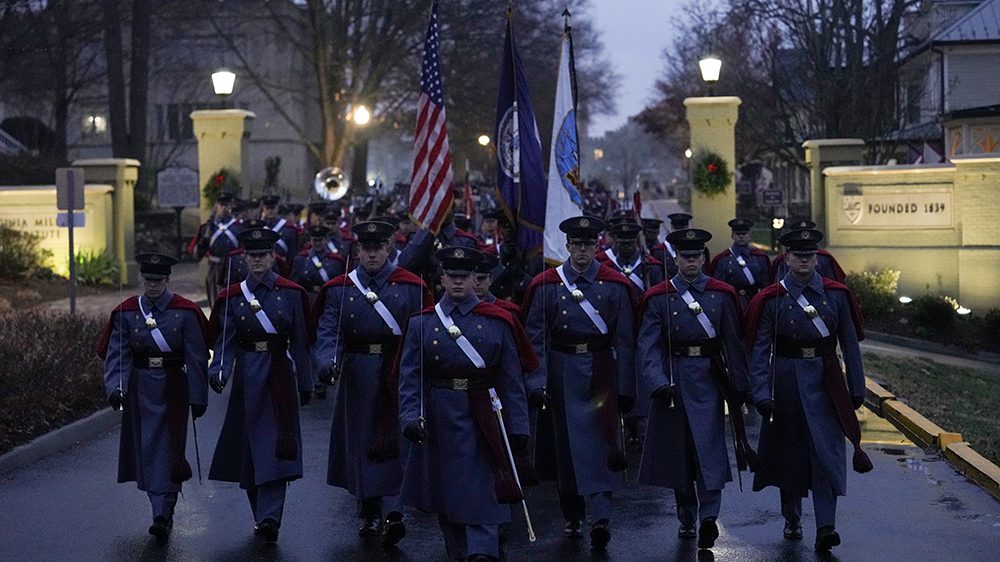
column 634, row 33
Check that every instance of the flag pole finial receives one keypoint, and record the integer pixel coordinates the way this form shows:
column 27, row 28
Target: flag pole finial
column 566, row 15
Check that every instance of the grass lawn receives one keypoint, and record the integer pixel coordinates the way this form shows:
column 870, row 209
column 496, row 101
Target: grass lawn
column 965, row 401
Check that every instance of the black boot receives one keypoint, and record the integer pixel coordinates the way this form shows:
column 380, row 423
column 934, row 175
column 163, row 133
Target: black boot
column 826, row 538
column 707, row 533
column 369, row 527
column 161, row 529
column 600, row 535
column 793, row 531
column 394, row 529
column 573, row 529
column 268, row 529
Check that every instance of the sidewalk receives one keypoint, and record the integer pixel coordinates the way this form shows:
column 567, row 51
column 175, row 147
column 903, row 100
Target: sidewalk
column 879, row 346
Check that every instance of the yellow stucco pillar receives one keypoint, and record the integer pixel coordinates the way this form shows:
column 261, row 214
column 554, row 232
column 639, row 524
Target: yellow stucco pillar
column 222, row 143
column 121, row 174
column 712, row 121
column 821, row 154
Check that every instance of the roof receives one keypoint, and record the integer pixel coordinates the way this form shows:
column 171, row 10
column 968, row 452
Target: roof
column 981, row 24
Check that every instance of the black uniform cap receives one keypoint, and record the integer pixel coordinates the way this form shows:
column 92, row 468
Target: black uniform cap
column 372, row 231
column 258, row 240
column 803, row 241
column 487, row 264
column 457, row 260
column 689, row 241
column 224, row 197
column 651, row 224
column 582, row 228
column 799, row 224
column 626, row 230
column 740, row 225
column 270, row 200
column 318, row 231
column 679, row 220
column 317, row 207
column 155, row 264
column 388, row 219
column 297, row 208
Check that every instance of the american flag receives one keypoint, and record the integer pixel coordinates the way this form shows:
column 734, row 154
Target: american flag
column 430, row 184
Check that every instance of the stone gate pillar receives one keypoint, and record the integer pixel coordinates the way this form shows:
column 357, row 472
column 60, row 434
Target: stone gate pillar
column 222, row 143
column 824, row 153
column 712, row 121
column 120, row 173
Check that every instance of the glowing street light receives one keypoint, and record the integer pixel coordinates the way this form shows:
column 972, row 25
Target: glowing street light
column 484, row 140
column 711, row 67
column 688, row 153
column 223, row 81
column 361, row 115
column 905, row 300
column 962, row 311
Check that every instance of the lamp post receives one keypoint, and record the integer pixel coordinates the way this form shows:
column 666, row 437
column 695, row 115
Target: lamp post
column 360, row 115
column 710, row 66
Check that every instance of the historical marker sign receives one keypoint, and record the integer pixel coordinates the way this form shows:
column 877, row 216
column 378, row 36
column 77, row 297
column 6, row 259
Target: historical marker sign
column 177, row 187
column 773, row 197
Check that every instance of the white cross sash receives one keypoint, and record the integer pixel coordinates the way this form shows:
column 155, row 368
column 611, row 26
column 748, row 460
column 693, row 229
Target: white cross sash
column 319, row 267
column 332, row 247
column 277, row 228
column 702, row 318
column 161, row 342
column 224, row 229
column 631, row 274
column 743, row 265
column 462, row 341
column 817, row 320
column 670, row 249
column 379, row 306
column 265, row 322
column 584, row 304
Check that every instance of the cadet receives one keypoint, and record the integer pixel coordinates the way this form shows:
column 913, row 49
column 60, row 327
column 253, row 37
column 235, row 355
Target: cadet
column 741, row 265
column 826, row 264
column 215, row 240
column 651, row 233
column 801, row 396
column 580, row 320
column 483, row 279
column 155, row 350
column 316, row 265
column 687, row 325
column 454, row 356
column 263, row 347
column 626, row 258
column 288, row 242
column 359, row 327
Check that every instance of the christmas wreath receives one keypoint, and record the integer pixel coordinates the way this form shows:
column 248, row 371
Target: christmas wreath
column 223, row 180
column 711, row 175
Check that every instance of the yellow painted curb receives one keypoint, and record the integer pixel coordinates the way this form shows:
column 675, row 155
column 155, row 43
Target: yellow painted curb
column 974, row 466
column 876, row 395
column 916, row 426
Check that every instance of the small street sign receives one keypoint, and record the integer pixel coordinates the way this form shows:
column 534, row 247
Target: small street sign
column 69, row 189
column 79, row 219
column 177, row 187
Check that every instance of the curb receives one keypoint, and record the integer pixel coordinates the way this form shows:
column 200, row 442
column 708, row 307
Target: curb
column 932, row 347
column 929, row 435
column 59, row 439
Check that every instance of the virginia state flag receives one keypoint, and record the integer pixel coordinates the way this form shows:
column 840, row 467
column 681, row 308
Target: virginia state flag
column 564, row 199
column 521, row 185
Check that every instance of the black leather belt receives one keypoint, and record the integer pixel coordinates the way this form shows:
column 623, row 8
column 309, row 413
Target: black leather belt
column 372, row 346
column 806, row 349
column 704, row 348
column 466, row 379
column 582, row 347
column 158, row 361
column 259, row 343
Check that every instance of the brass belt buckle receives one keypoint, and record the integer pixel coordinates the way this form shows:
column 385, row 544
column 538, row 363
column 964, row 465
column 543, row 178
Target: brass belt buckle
column 460, row 384
column 375, row 349
column 808, row 352
column 582, row 348
column 694, row 351
column 155, row 362
column 743, row 292
column 260, row 346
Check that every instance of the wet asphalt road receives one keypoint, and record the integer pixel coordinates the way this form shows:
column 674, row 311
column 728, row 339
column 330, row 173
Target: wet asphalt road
column 912, row 507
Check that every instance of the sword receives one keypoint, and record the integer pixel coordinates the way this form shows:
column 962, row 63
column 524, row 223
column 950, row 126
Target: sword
column 197, row 453
column 495, row 402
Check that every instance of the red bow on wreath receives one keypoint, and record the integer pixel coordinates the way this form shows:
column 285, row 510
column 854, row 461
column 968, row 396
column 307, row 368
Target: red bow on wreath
column 712, row 168
column 220, row 179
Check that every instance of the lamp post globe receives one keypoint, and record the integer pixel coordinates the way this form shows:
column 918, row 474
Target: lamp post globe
column 361, row 115
column 710, row 66
column 223, row 81
column 484, row 140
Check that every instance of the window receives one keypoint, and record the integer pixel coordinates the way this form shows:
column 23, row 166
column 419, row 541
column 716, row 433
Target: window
column 94, row 124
